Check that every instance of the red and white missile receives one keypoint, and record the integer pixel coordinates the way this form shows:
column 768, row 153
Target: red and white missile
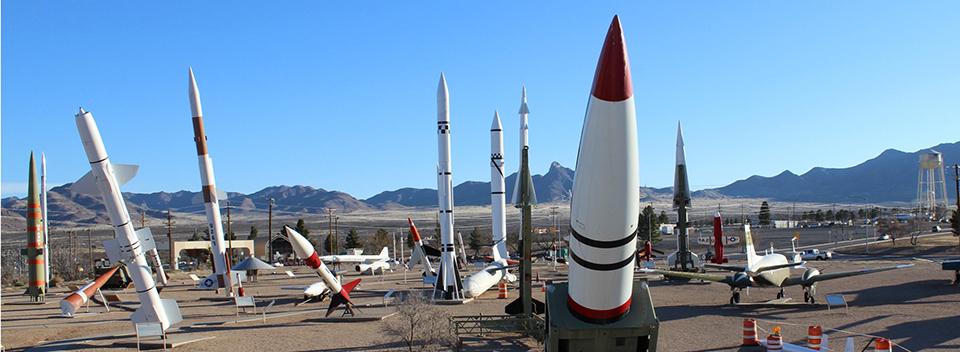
column 419, row 255
column 304, row 249
column 448, row 284
column 69, row 305
column 129, row 247
column 221, row 277
column 606, row 201
column 718, row 240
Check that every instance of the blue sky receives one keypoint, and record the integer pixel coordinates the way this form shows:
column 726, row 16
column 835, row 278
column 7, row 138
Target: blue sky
column 344, row 98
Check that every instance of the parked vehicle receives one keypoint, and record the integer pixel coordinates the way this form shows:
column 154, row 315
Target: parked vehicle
column 816, row 254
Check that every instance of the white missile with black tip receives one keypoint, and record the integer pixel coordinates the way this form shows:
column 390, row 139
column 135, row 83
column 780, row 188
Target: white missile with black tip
column 221, row 277
column 304, row 249
column 606, row 193
column 448, row 284
column 129, row 247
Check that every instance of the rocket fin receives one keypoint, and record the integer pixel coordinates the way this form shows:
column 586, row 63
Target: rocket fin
column 516, row 307
column 146, row 239
column 430, row 251
column 124, row 173
column 88, row 183
column 172, row 309
column 112, row 247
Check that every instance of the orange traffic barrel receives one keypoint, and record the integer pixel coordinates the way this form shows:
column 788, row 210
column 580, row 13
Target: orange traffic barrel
column 882, row 344
column 503, row 290
column 814, row 337
column 750, row 333
column 774, row 340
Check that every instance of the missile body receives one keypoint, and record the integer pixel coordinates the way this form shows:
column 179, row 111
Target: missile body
column 524, row 142
column 606, row 201
column 70, row 304
column 36, row 262
column 497, row 190
column 683, row 259
column 46, row 228
column 304, row 249
column 419, row 254
column 718, row 240
column 221, row 277
column 129, row 244
column 448, row 283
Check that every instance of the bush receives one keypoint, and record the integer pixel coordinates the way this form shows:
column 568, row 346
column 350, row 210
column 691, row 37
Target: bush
column 421, row 326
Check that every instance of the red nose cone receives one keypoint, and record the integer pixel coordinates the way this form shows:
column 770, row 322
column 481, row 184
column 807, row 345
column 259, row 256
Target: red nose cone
column 611, row 82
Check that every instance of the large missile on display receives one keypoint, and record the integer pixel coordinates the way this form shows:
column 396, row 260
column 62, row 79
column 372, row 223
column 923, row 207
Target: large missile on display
column 36, row 278
column 525, row 305
column 497, row 189
column 70, row 304
column 221, row 277
column 606, row 201
column 43, row 209
column 718, row 240
column 419, row 255
column 129, row 247
column 524, row 141
column 306, row 251
column 448, row 285
column 601, row 307
column 682, row 259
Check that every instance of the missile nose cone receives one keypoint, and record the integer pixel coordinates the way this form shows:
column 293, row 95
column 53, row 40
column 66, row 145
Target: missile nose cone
column 523, row 100
column 81, row 111
column 611, row 82
column 717, row 215
column 681, row 159
column 442, row 86
column 496, row 121
column 194, row 94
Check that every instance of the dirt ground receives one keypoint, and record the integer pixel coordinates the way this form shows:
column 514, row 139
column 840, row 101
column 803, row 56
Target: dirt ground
column 916, row 307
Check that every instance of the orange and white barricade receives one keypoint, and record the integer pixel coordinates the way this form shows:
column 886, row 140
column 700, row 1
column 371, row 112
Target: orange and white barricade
column 502, row 287
column 774, row 340
column 814, row 337
column 882, row 344
column 750, row 333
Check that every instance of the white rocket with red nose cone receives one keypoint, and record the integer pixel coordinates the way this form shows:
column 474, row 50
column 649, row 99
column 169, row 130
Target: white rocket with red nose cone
column 420, row 253
column 606, row 199
column 305, row 250
column 221, row 277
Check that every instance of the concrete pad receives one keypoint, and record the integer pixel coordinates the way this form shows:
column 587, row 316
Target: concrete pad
column 154, row 343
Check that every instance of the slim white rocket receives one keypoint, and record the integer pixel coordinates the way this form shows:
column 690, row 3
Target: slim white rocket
column 497, row 188
column 448, row 280
column 524, row 111
column 419, row 253
column 43, row 209
column 606, row 199
column 129, row 247
column 221, row 277
column 303, row 249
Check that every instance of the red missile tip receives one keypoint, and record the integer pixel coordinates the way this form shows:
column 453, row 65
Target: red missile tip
column 611, row 82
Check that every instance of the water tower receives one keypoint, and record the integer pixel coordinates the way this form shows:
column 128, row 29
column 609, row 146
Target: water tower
column 931, row 185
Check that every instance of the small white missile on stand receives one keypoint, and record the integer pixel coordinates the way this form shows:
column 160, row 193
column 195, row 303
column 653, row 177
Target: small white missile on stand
column 449, row 285
column 221, row 277
column 606, row 202
column 129, row 247
column 340, row 293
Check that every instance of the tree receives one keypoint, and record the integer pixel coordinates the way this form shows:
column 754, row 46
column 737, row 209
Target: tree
column 764, row 215
column 410, row 240
column 380, row 239
column 830, row 215
column 328, row 243
column 955, row 223
column 477, row 241
column 818, row 216
column 649, row 225
column 422, row 326
column 353, row 239
column 663, row 218
column 253, row 233
column 302, row 228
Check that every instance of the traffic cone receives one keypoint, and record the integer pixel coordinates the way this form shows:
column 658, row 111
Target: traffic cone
column 882, row 344
column 750, row 333
column 814, row 337
column 503, row 290
column 774, row 340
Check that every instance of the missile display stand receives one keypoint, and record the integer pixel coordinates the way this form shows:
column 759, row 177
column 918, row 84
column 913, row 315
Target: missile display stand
column 635, row 331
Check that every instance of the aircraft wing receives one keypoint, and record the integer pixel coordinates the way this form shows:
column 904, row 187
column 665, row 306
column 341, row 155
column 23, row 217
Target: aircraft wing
column 775, row 267
column 733, row 268
column 493, row 270
column 694, row 276
column 842, row 274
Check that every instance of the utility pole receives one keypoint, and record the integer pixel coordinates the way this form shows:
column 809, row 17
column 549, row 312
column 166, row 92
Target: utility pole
column 270, row 231
column 229, row 235
column 90, row 252
column 173, row 264
column 143, row 218
column 556, row 247
column 330, row 230
column 336, row 234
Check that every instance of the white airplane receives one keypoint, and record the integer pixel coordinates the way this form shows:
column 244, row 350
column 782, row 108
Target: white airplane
column 365, row 264
column 769, row 270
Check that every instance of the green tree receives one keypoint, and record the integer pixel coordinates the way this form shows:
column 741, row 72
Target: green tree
column 410, row 240
column 253, row 233
column 663, row 218
column 764, row 215
column 477, row 241
column 830, row 215
column 353, row 239
column 302, row 228
column 649, row 225
column 328, row 243
column 380, row 239
column 818, row 216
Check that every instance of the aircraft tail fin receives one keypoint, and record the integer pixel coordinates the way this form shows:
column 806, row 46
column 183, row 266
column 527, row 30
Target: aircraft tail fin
column 748, row 242
column 385, row 253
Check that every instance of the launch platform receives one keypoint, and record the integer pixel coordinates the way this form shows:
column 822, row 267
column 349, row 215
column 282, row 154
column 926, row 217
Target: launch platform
column 636, row 331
